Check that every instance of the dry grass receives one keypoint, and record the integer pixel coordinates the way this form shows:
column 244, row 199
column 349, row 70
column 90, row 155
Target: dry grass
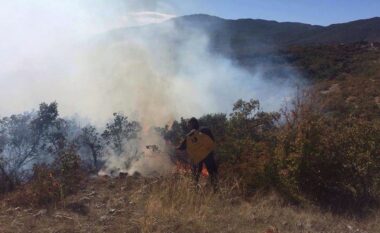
column 173, row 204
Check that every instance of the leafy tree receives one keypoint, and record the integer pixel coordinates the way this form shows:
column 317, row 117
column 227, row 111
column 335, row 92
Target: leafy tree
column 90, row 138
column 50, row 132
column 27, row 138
column 217, row 124
column 175, row 132
column 119, row 131
column 18, row 148
column 247, row 120
column 247, row 126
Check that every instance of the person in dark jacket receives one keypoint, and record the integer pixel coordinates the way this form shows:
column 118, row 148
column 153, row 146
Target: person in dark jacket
column 209, row 161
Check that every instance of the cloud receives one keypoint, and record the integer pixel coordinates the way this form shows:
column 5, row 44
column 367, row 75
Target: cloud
column 143, row 18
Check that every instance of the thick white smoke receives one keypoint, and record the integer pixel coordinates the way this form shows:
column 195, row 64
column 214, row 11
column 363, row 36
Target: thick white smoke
column 65, row 51
column 147, row 155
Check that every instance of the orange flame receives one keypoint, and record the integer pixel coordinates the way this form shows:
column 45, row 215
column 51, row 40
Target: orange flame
column 183, row 168
column 204, row 172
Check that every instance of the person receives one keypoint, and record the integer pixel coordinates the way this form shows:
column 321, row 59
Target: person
column 209, row 161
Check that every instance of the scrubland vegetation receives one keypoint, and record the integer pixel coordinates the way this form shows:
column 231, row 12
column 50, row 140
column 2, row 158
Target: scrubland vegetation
column 314, row 166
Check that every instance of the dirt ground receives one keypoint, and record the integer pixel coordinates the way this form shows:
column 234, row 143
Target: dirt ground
column 166, row 205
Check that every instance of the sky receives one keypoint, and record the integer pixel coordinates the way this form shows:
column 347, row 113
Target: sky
column 321, row 12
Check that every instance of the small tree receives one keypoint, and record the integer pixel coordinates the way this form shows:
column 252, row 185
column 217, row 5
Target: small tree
column 49, row 131
column 27, row 138
column 175, row 132
column 119, row 131
column 18, row 148
column 90, row 138
column 247, row 126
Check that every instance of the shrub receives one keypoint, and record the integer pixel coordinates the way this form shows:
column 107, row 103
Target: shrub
column 334, row 161
column 50, row 184
column 68, row 171
column 255, row 169
column 42, row 190
column 45, row 188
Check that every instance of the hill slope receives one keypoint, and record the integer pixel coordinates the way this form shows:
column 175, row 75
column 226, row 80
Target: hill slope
column 285, row 33
column 252, row 41
column 246, row 36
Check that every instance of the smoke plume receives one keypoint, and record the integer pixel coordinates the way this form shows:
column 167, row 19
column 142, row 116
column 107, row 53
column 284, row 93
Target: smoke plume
column 86, row 56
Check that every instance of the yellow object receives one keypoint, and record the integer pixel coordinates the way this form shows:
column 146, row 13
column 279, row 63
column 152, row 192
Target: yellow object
column 198, row 146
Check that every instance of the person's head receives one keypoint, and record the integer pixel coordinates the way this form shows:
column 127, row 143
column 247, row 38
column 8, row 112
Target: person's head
column 193, row 123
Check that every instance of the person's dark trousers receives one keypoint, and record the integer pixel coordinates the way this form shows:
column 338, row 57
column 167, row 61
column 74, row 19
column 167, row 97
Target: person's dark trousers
column 211, row 167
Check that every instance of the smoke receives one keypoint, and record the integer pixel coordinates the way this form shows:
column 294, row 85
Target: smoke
column 147, row 155
column 67, row 51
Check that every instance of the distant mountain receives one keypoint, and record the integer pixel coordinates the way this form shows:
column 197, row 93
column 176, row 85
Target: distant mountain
column 287, row 32
column 254, row 35
column 244, row 37
column 254, row 41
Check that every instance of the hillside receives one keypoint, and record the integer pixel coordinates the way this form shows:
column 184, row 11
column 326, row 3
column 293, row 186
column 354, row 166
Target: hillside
column 244, row 33
column 252, row 42
column 253, row 33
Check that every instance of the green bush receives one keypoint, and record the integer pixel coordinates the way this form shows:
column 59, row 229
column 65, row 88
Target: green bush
column 314, row 151
column 335, row 161
column 244, row 141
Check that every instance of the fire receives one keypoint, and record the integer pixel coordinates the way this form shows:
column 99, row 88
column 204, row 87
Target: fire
column 183, row 168
column 204, row 171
